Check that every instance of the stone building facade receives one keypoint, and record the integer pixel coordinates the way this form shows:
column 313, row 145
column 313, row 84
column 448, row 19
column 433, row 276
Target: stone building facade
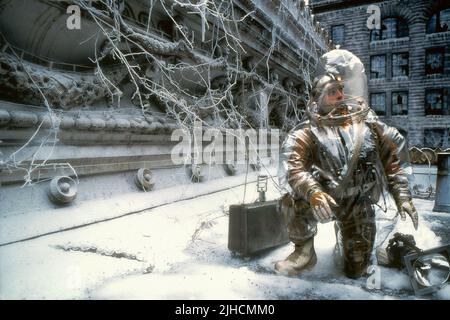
column 76, row 134
column 407, row 62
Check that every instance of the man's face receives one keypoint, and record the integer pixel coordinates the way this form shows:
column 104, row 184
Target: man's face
column 332, row 96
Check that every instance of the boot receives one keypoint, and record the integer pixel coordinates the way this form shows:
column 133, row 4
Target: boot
column 304, row 257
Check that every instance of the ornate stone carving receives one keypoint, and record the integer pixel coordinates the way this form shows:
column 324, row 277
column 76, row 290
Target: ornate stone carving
column 195, row 172
column 425, row 155
column 23, row 119
column 63, row 190
column 22, row 80
column 86, row 122
column 230, row 168
column 144, row 180
column 5, row 117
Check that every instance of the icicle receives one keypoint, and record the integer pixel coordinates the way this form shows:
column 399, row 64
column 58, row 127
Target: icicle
column 203, row 15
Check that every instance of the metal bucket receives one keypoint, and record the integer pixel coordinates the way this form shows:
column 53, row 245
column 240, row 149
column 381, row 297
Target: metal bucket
column 442, row 202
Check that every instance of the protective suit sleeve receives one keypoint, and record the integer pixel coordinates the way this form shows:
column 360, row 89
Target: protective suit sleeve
column 395, row 158
column 299, row 152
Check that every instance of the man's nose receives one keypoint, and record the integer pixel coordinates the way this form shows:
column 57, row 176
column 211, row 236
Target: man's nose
column 340, row 95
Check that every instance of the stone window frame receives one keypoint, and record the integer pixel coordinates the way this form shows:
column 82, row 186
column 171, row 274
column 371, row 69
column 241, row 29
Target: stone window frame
column 434, row 22
column 372, row 95
column 439, row 50
column 400, row 26
column 372, row 65
column 445, row 97
column 407, row 64
column 396, row 92
column 343, row 33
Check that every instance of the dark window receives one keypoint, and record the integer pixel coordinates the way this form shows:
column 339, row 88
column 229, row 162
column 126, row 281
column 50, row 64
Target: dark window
column 439, row 22
column 390, row 28
column 378, row 67
column 403, row 133
column 434, row 61
column 400, row 64
column 435, row 138
column 337, row 34
column 436, row 102
column 378, row 103
column 399, row 103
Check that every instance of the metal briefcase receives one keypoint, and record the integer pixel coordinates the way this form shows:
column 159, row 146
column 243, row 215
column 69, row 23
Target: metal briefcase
column 255, row 227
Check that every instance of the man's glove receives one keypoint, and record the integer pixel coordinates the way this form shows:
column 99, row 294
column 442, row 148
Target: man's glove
column 406, row 206
column 320, row 203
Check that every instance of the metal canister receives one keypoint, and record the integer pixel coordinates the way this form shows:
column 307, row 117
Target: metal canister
column 442, row 202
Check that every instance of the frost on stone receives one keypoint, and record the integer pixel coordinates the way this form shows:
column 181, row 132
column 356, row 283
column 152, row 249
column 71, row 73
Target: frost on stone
column 194, row 65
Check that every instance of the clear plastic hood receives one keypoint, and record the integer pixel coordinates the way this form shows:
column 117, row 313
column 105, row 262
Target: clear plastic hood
column 340, row 89
column 344, row 66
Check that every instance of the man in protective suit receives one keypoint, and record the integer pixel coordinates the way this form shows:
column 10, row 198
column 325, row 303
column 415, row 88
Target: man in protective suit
column 337, row 165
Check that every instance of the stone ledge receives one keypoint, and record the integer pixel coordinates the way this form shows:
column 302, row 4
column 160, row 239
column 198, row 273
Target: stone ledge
column 389, row 43
column 438, row 36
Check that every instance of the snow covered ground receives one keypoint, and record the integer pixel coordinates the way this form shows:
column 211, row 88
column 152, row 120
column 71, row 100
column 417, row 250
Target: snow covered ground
column 179, row 251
